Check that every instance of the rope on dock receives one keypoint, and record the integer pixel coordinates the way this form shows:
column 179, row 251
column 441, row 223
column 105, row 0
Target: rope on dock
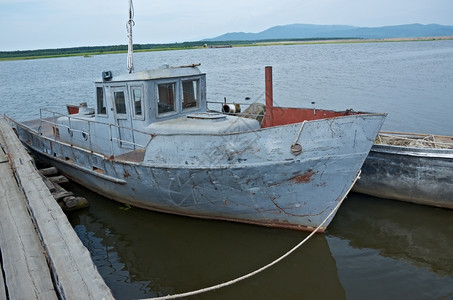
column 221, row 285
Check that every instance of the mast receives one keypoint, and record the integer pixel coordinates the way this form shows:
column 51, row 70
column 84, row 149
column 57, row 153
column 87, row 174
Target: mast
column 130, row 49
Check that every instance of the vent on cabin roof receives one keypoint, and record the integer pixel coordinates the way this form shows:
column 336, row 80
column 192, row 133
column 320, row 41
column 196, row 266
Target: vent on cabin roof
column 107, row 75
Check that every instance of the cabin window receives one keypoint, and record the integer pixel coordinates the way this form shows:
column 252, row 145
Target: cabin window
column 102, row 110
column 190, row 94
column 166, row 97
column 120, row 102
column 137, row 101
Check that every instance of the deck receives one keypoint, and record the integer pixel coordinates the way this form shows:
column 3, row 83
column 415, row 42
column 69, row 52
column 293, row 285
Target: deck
column 41, row 257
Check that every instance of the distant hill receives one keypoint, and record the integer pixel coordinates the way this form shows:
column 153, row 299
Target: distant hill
column 307, row 31
column 277, row 33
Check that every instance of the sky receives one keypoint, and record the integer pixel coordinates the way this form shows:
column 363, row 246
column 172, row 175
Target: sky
column 46, row 24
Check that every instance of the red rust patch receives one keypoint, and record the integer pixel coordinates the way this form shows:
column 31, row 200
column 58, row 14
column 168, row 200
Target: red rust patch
column 304, row 178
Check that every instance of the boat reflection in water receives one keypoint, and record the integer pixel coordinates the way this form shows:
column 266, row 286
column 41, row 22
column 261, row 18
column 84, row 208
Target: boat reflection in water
column 388, row 248
column 373, row 249
column 143, row 254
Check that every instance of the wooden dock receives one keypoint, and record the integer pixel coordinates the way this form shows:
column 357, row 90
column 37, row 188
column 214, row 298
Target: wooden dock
column 41, row 257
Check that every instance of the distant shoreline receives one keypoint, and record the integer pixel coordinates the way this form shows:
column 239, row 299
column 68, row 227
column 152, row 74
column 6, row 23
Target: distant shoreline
column 101, row 50
column 349, row 41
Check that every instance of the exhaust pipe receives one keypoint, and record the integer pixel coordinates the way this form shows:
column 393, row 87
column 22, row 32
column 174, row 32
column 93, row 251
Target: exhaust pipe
column 231, row 108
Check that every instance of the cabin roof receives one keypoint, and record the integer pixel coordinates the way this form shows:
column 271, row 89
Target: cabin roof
column 164, row 72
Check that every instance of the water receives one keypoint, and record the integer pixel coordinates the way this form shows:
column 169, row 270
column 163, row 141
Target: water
column 373, row 249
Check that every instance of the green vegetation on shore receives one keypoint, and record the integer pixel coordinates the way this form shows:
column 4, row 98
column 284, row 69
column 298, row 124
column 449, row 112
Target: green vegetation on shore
column 94, row 50
column 99, row 50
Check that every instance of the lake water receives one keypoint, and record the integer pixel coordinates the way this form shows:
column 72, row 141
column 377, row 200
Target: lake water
column 373, row 249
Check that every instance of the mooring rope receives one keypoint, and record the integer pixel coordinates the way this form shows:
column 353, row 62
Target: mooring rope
column 221, row 285
column 299, row 133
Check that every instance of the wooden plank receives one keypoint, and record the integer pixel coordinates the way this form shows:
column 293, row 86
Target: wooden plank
column 26, row 271
column 74, row 272
column 60, row 195
column 2, row 282
column 59, row 192
column 51, row 171
column 3, row 158
column 58, row 179
column 50, row 185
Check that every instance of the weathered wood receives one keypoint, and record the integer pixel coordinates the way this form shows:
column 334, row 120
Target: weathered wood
column 26, row 271
column 74, row 272
column 61, row 195
column 2, row 283
column 51, row 171
column 49, row 184
column 58, row 179
column 3, row 158
column 58, row 188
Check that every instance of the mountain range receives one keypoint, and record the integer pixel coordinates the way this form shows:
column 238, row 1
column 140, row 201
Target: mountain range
column 308, row 31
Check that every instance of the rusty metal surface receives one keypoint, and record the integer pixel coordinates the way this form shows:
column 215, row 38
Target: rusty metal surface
column 418, row 175
column 249, row 177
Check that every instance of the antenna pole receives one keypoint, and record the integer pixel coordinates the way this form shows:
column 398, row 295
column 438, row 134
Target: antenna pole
column 130, row 48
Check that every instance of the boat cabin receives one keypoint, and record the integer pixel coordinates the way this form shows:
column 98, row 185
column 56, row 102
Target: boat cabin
column 138, row 99
column 133, row 107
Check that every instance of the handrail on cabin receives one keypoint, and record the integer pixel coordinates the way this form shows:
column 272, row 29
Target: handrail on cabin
column 87, row 133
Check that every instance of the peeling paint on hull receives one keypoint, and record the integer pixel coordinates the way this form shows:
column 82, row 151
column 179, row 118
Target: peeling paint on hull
column 258, row 183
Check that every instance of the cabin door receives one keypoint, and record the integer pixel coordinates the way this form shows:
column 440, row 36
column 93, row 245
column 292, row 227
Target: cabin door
column 123, row 117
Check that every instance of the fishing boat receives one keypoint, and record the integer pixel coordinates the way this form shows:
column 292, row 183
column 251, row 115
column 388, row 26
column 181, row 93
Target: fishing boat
column 153, row 141
column 409, row 167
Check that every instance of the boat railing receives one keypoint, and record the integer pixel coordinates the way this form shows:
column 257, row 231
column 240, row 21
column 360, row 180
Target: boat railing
column 138, row 139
